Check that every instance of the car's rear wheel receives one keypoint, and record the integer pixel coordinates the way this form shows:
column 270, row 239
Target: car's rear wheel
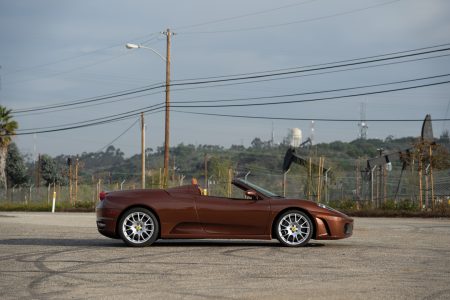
column 138, row 227
column 294, row 228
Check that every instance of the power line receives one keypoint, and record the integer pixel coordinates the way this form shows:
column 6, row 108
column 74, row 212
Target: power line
column 307, row 75
column 31, row 111
column 317, row 99
column 90, row 105
column 201, row 24
column 321, row 64
column 305, row 119
column 310, row 69
column 244, row 15
column 160, row 85
column 312, row 93
column 119, row 136
column 91, row 99
column 75, row 69
column 72, row 70
column 106, row 119
column 76, row 56
column 227, row 100
column 88, row 125
column 158, row 107
column 293, row 22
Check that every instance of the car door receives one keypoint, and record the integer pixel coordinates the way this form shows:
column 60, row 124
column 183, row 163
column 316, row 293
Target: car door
column 233, row 216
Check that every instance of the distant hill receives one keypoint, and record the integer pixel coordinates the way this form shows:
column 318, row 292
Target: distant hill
column 261, row 157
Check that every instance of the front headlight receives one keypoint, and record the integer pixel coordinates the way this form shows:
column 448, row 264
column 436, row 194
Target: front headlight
column 325, row 206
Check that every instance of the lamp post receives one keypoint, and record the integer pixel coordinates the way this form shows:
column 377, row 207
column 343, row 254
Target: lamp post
column 168, row 34
column 135, row 46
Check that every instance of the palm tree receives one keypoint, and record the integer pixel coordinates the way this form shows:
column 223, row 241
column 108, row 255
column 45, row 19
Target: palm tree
column 7, row 131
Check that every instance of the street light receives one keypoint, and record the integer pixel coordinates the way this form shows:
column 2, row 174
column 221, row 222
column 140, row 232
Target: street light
column 135, row 46
column 168, row 34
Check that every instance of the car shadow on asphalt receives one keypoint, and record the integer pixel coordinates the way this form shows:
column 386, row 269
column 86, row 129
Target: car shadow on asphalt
column 58, row 242
column 222, row 243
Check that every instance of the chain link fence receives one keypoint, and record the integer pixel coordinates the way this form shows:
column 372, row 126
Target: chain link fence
column 359, row 189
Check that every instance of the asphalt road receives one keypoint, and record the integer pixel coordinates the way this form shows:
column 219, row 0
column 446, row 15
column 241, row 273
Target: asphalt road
column 61, row 256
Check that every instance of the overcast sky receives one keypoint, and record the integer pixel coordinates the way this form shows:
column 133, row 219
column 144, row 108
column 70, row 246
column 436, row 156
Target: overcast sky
column 54, row 52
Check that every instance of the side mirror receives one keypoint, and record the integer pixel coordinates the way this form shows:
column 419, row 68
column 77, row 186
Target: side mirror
column 252, row 194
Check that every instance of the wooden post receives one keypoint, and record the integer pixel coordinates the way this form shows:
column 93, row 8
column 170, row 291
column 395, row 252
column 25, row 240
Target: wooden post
column 142, row 151
column 285, row 183
column 70, row 181
column 427, row 203
column 230, row 172
column 432, row 179
column 357, row 173
column 160, row 179
column 309, row 178
column 319, row 178
column 377, row 198
column 167, row 122
column 420, row 180
column 385, row 175
column 206, row 172
column 76, row 180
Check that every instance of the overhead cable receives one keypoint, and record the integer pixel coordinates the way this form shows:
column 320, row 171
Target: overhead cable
column 306, row 119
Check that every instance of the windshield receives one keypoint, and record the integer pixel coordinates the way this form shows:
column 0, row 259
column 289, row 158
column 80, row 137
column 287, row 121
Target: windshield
column 258, row 188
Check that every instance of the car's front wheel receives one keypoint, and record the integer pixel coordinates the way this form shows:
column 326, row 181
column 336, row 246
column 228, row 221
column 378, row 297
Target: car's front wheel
column 294, row 228
column 138, row 227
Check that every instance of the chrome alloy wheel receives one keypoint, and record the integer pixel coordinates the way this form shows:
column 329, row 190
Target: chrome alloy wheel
column 138, row 227
column 294, row 229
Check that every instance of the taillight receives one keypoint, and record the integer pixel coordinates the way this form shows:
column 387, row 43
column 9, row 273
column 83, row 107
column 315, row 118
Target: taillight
column 102, row 195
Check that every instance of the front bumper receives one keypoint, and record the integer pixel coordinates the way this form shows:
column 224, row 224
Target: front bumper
column 333, row 228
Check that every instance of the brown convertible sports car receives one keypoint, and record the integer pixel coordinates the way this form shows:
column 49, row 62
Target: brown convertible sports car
column 139, row 217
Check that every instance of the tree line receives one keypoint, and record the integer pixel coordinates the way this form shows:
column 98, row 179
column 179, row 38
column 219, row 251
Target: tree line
column 187, row 161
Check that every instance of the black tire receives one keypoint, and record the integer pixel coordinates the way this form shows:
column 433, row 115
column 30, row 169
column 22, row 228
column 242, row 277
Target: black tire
column 293, row 228
column 138, row 227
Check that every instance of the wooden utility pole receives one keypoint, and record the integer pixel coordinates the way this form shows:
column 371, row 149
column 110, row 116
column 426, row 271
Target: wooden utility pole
column 380, row 181
column 76, row 180
column 319, row 180
column 69, row 164
column 357, row 173
column 206, row 172
column 142, row 151
column 427, row 203
column 431, row 178
column 168, row 34
column 230, row 173
column 309, row 178
column 377, row 191
column 420, row 179
column 385, row 176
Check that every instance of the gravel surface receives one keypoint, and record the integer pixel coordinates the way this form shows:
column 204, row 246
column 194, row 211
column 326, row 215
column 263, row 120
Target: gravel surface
column 62, row 256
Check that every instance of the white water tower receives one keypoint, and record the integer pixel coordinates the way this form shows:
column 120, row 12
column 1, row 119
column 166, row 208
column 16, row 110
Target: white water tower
column 296, row 137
